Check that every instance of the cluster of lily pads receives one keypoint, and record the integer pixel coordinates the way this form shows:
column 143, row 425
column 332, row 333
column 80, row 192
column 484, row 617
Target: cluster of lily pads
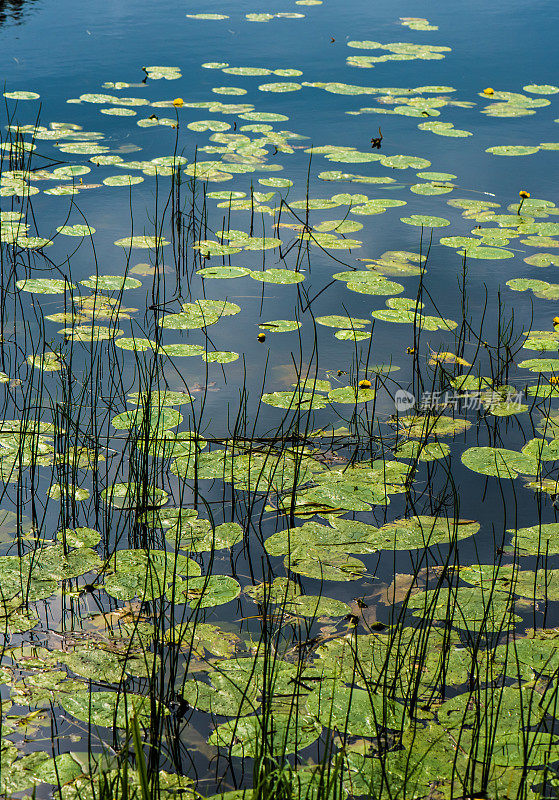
column 439, row 682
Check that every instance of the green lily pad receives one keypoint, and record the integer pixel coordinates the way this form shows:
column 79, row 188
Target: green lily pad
column 295, row 401
column 110, row 283
column 204, row 592
column 280, row 325
column 143, row 242
column 351, row 395
column 279, row 183
column 333, row 567
column 339, row 321
column 208, row 16
column 181, row 350
column 223, row 697
column 404, row 162
column 145, row 574
column 126, row 495
column 280, row 87
column 22, row 95
column 76, row 230
column 540, row 364
column 357, row 711
column 278, row 276
column 512, row 150
column 534, row 88
column 223, row 272
column 489, row 252
column 105, row 709
column 243, row 737
column 426, row 221
column 537, row 539
column 220, row 356
column 44, row 285
column 499, row 462
column 122, row 180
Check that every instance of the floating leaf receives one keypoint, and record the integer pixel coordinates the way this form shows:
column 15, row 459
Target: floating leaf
column 145, row 573
column 206, row 16
column 540, row 364
column 357, row 711
column 22, row 95
column 499, row 462
column 105, row 709
column 122, row 180
column 351, row 395
column 278, row 276
column 110, row 283
column 181, row 350
column 404, row 162
column 280, row 325
column 205, row 592
column 512, row 150
column 44, row 285
column 541, row 88
column 223, row 272
column 428, row 222
column 143, row 242
column 537, row 539
column 295, row 401
column 220, row 356
column 290, row 733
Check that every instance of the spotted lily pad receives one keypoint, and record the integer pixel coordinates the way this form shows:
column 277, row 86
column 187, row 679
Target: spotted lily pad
column 110, row 283
column 145, row 574
column 426, row 221
column 280, row 325
column 105, row 709
column 499, row 462
column 512, row 150
column 143, row 242
column 76, row 230
column 277, row 276
column 44, row 285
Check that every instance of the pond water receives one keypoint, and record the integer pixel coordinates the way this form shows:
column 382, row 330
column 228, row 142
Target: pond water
column 280, row 380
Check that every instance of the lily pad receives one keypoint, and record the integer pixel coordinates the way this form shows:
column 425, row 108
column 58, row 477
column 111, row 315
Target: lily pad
column 499, row 462
column 145, row 574
column 44, row 285
column 110, row 283
column 512, row 150
column 426, row 221
column 278, row 276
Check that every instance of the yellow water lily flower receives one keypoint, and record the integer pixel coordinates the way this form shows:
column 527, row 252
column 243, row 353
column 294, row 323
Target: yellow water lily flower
column 489, row 90
column 178, row 102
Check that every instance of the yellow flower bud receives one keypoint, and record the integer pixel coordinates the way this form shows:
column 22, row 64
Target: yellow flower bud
column 364, row 384
column 178, row 102
column 489, row 90
column 524, row 194
column 261, row 337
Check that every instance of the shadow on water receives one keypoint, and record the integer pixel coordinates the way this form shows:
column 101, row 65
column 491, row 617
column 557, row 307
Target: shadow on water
column 15, row 11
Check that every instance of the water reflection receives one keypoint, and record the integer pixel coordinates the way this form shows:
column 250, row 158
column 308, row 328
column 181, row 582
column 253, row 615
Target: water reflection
column 13, row 10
